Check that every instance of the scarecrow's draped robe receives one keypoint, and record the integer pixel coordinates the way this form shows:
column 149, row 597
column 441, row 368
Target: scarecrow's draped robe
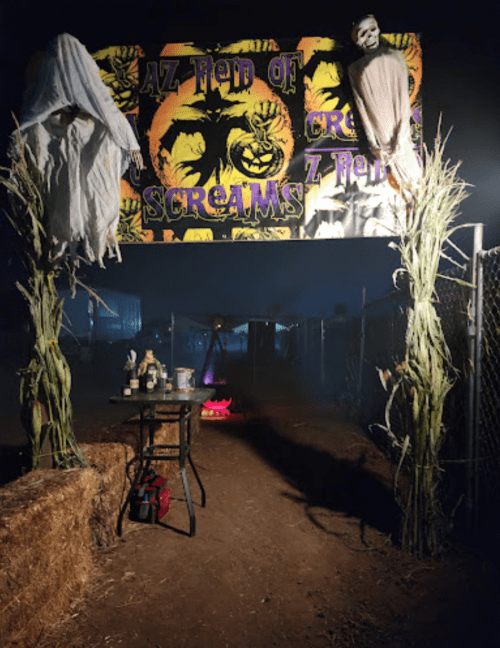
column 379, row 83
column 79, row 147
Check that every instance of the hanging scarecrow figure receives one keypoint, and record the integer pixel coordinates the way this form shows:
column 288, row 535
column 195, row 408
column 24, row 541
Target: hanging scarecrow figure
column 79, row 146
column 380, row 87
column 71, row 148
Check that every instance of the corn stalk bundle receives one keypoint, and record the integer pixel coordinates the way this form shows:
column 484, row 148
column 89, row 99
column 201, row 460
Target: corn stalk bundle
column 426, row 376
column 46, row 381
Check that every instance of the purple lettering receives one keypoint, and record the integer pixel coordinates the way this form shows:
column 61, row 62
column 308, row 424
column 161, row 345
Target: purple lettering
column 312, row 163
column 150, row 84
column 245, row 75
column 203, row 66
column 343, row 161
column 293, row 194
column 195, row 197
column 282, row 71
column 277, row 72
column 153, row 204
column 222, row 72
column 380, row 171
column 174, row 207
column 216, row 196
column 239, row 73
column 236, row 199
column 334, row 123
column 267, row 203
column 360, row 166
column 167, row 73
column 315, row 124
column 349, row 120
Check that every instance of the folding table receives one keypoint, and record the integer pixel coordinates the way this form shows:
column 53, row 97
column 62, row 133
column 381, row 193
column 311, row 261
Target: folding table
column 149, row 415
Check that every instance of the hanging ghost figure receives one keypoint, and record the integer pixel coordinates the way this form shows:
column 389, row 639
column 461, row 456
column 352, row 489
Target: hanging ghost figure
column 79, row 145
column 380, row 87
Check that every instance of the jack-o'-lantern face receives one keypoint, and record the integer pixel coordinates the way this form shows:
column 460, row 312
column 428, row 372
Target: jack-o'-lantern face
column 256, row 158
column 366, row 34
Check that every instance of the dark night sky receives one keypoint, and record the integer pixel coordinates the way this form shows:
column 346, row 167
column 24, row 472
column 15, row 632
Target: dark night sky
column 461, row 80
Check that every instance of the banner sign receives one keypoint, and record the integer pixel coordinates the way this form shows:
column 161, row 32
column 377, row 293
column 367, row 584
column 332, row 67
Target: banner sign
column 252, row 140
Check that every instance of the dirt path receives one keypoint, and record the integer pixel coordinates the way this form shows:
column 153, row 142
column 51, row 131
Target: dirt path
column 292, row 549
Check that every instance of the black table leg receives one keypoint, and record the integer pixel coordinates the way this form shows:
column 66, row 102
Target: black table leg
column 203, row 496
column 188, row 454
column 185, row 417
column 138, row 472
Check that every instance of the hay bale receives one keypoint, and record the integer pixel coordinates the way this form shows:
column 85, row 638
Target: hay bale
column 51, row 522
column 46, row 550
column 115, row 465
column 166, row 434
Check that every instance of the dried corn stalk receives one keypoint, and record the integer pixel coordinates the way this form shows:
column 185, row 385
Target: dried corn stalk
column 46, row 382
column 425, row 377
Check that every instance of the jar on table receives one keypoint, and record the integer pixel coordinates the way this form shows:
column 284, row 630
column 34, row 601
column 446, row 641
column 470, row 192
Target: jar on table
column 162, row 382
column 151, row 378
column 133, row 380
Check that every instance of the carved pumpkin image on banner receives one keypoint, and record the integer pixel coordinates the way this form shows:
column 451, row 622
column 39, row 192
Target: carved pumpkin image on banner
column 220, row 137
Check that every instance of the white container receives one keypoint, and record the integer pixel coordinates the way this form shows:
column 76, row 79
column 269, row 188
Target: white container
column 183, row 379
column 162, row 382
column 126, row 390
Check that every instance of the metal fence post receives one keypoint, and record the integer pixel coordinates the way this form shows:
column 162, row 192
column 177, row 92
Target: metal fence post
column 474, row 356
column 478, row 372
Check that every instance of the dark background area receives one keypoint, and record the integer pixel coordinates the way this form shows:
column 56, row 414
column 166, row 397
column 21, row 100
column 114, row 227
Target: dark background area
column 308, row 278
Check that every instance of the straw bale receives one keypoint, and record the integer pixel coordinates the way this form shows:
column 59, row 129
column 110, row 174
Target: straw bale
column 195, row 422
column 166, row 434
column 46, row 551
column 115, row 465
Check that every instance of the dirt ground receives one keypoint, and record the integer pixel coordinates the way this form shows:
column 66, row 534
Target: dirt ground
column 294, row 548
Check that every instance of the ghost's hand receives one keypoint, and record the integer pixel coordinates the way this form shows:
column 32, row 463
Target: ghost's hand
column 137, row 159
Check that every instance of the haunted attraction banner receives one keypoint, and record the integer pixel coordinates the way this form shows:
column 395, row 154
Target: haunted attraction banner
column 252, row 140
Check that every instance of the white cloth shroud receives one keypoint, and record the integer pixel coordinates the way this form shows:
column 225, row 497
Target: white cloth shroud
column 379, row 81
column 79, row 145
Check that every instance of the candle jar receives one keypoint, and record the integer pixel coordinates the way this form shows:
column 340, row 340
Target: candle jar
column 133, row 380
column 151, row 378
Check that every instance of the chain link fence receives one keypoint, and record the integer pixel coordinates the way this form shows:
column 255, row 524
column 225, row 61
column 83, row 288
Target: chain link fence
column 487, row 442
column 453, row 306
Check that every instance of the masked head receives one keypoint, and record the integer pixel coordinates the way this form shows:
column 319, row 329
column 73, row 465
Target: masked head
column 365, row 33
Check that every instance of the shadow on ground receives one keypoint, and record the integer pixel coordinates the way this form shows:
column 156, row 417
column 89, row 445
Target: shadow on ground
column 323, row 480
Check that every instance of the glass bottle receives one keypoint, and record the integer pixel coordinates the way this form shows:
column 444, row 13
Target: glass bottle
column 162, row 383
column 151, row 377
column 133, row 379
